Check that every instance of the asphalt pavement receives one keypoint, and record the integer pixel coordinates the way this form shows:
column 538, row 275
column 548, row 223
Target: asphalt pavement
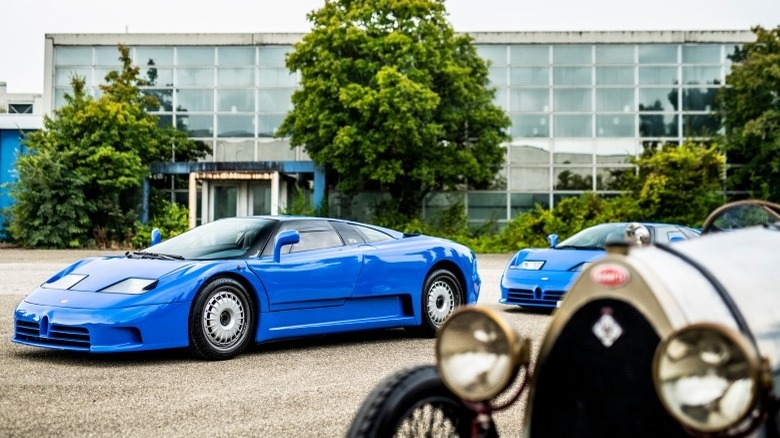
column 299, row 388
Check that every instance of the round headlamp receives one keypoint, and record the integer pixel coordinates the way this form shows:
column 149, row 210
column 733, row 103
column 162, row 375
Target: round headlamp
column 707, row 377
column 478, row 353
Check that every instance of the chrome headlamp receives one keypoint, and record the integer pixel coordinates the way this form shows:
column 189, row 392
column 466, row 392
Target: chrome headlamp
column 708, row 377
column 478, row 354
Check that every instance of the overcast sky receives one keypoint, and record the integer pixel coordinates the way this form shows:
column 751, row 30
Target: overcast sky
column 23, row 23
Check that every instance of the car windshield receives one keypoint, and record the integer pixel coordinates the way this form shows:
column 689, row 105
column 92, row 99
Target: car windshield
column 594, row 237
column 222, row 239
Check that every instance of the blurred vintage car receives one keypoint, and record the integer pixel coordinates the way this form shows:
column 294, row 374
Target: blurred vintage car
column 657, row 341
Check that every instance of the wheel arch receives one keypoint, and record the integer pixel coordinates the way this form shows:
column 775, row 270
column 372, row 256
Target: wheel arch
column 254, row 296
column 452, row 267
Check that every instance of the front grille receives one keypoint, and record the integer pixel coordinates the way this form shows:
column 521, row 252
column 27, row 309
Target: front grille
column 56, row 335
column 584, row 389
column 534, row 298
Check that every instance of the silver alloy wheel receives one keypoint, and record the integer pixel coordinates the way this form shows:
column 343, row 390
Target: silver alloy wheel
column 441, row 302
column 224, row 320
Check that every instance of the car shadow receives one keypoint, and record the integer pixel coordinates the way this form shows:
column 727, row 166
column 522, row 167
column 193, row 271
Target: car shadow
column 528, row 310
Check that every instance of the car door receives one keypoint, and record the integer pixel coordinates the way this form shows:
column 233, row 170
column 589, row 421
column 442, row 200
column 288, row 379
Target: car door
column 318, row 271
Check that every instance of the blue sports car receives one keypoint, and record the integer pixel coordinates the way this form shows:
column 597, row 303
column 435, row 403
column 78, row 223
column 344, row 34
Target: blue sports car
column 540, row 277
column 222, row 285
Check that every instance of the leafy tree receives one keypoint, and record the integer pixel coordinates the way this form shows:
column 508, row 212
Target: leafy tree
column 393, row 100
column 80, row 183
column 750, row 109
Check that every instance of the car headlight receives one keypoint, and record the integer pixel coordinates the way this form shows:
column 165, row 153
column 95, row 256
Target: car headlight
column 478, row 354
column 530, row 265
column 582, row 266
column 707, row 377
column 134, row 286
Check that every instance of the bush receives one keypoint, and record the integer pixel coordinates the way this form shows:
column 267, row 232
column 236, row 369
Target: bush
column 172, row 220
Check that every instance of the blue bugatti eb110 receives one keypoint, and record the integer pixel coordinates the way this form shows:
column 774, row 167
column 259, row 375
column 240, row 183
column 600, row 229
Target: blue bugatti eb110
column 222, row 285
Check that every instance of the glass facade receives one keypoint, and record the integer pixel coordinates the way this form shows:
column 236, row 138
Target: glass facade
column 579, row 112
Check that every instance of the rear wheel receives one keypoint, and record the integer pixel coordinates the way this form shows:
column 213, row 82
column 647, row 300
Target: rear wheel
column 412, row 403
column 442, row 294
column 221, row 320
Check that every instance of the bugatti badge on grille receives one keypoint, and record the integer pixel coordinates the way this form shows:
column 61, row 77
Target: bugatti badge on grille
column 606, row 328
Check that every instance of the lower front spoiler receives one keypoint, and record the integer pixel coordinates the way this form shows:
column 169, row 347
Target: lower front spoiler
column 140, row 328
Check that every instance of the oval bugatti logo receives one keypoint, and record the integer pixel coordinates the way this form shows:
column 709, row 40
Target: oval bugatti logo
column 610, row 275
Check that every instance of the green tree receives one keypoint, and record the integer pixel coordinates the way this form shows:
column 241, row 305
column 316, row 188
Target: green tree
column 676, row 184
column 393, row 100
column 749, row 106
column 80, row 183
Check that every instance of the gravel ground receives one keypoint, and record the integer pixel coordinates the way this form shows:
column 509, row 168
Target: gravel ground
column 303, row 388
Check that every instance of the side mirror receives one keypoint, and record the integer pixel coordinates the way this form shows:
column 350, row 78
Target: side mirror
column 553, row 240
column 287, row 237
column 156, row 236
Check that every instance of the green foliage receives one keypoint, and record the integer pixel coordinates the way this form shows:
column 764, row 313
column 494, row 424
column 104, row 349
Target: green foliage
column 301, row 204
column 80, row 183
column 170, row 217
column 393, row 100
column 750, row 110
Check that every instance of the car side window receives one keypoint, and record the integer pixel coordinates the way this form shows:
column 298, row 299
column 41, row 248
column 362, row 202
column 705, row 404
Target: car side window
column 315, row 234
column 372, row 235
column 348, row 233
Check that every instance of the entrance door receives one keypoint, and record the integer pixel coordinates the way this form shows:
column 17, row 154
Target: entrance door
column 260, row 194
column 225, row 201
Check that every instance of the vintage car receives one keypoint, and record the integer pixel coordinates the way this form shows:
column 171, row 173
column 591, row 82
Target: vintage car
column 225, row 284
column 657, row 341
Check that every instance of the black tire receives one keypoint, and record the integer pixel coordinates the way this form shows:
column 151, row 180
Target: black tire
column 407, row 402
column 441, row 295
column 221, row 320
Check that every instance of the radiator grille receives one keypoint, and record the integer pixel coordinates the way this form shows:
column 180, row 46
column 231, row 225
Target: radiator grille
column 534, row 297
column 584, row 389
column 55, row 335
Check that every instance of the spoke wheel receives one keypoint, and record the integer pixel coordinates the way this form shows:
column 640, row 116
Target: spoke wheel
column 412, row 403
column 221, row 320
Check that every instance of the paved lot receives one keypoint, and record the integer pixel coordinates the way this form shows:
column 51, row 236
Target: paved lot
column 302, row 388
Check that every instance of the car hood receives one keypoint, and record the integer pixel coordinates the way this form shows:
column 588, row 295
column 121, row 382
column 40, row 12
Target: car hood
column 99, row 274
column 561, row 259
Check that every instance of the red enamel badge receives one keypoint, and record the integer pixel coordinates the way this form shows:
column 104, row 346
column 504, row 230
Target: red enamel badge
column 610, row 275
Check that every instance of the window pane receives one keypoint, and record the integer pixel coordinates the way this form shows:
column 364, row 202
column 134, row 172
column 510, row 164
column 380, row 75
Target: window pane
column 701, row 75
column 614, row 75
column 275, row 150
column 487, row 206
column 531, row 126
column 496, row 54
column 705, row 54
column 236, row 55
column 107, row 56
column 236, row 100
column 158, row 76
column 700, row 125
column 699, row 99
column 195, row 56
column 273, row 55
column 268, row 124
column 529, row 178
column 203, row 77
column 530, row 99
column 20, row 108
column 572, row 99
column 614, row 54
column 657, row 99
column 497, row 76
column 571, row 75
column 522, row 202
column 573, row 152
column 64, row 76
column 277, row 76
column 236, row 77
column 572, row 126
column 235, row 126
column 530, row 76
column 195, row 100
column 606, row 178
column 615, row 151
column 529, row 154
column 577, row 178
column 164, row 98
column 572, row 54
column 275, row 100
column 73, row 56
column 658, row 75
column 658, row 125
column 232, row 150
column 530, row 55
column 615, row 125
column 196, row 125
column 153, row 56
column 657, row 54
column 615, row 99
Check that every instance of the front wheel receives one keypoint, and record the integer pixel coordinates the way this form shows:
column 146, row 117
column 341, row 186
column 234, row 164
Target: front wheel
column 221, row 320
column 442, row 294
column 412, row 403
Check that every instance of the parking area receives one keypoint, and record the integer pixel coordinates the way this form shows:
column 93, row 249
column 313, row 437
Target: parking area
column 306, row 387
